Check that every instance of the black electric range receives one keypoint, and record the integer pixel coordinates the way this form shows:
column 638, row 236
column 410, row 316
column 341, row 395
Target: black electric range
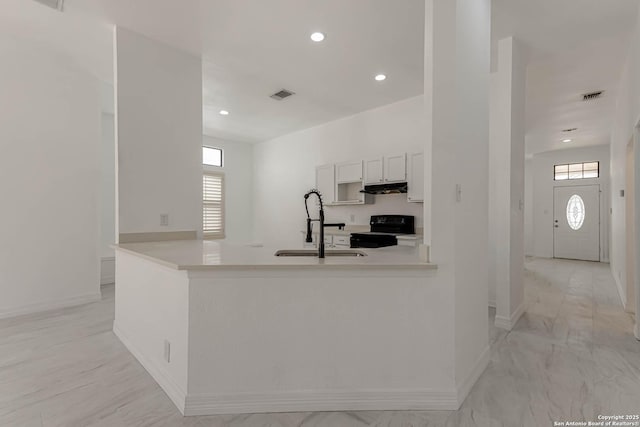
column 384, row 229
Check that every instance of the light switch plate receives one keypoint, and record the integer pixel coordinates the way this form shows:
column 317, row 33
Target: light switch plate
column 164, row 220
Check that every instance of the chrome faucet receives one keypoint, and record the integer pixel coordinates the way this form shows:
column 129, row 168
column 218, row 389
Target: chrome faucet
column 309, row 238
column 320, row 219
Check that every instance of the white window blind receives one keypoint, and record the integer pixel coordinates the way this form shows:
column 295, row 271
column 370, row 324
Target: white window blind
column 213, row 205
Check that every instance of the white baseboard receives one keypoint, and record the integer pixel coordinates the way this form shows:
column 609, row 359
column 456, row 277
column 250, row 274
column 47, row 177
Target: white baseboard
column 508, row 323
column 291, row 401
column 54, row 304
column 468, row 383
column 320, row 401
column 622, row 294
column 173, row 390
column 307, row 400
column 107, row 270
column 336, row 400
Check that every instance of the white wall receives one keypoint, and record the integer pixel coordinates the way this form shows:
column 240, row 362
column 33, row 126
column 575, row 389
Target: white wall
column 495, row 100
column 159, row 135
column 626, row 118
column 543, row 185
column 506, row 177
column 238, row 180
column 108, row 186
column 284, row 168
column 49, row 180
column 528, row 207
column 107, row 194
column 457, row 56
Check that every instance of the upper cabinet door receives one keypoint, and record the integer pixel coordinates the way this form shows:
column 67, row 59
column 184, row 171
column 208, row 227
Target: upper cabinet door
column 325, row 183
column 415, row 181
column 373, row 171
column 395, row 168
column 349, row 172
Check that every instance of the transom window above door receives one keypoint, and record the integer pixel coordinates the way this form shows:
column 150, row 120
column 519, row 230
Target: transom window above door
column 576, row 171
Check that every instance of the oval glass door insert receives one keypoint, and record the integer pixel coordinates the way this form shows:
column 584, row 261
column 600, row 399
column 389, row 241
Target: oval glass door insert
column 575, row 212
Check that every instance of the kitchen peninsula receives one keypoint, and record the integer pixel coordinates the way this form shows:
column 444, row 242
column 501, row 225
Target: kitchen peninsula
column 233, row 329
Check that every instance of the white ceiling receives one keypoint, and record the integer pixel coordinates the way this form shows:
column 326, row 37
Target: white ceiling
column 252, row 48
column 551, row 27
column 554, row 96
column 574, row 47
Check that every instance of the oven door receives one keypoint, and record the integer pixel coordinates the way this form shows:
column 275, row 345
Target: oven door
column 372, row 240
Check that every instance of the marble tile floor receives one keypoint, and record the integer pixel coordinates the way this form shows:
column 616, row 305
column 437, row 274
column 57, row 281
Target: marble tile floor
column 572, row 356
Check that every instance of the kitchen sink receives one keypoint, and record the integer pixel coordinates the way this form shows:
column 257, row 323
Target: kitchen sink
column 314, row 252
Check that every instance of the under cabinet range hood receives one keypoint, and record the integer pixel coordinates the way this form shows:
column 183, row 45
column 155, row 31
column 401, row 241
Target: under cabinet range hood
column 395, row 188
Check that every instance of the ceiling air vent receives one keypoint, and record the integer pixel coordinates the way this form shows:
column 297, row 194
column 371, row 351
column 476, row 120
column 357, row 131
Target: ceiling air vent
column 282, row 94
column 54, row 4
column 592, row 95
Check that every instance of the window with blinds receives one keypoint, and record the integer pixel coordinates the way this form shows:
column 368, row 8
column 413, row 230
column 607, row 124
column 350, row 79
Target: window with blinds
column 213, row 205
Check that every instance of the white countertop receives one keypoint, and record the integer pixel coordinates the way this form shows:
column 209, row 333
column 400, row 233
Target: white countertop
column 211, row 255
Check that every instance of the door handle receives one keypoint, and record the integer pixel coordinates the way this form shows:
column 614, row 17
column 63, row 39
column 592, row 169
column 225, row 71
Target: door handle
column 556, row 226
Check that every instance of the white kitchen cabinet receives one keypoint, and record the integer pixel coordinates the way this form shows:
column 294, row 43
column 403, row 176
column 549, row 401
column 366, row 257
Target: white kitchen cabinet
column 349, row 194
column 330, row 240
column 374, row 171
column 349, row 183
column 395, row 168
column 347, row 172
column 415, row 181
column 342, row 241
column 325, row 183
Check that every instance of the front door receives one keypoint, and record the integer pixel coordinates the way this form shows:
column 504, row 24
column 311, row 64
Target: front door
column 576, row 222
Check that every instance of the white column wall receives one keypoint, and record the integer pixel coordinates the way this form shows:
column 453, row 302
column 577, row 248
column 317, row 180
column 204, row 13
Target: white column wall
column 49, row 180
column 506, row 166
column 457, row 57
column 159, row 135
column 627, row 117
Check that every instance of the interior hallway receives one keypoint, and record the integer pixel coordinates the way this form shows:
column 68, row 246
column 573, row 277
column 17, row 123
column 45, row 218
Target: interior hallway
column 571, row 357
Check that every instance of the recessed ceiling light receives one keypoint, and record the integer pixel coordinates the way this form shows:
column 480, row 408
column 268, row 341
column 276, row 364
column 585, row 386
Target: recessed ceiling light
column 317, row 37
column 380, row 77
column 224, row 113
column 567, row 140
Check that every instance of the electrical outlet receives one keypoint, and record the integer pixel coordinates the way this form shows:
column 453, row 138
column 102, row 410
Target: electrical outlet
column 164, row 220
column 352, row 218
column 167, row 351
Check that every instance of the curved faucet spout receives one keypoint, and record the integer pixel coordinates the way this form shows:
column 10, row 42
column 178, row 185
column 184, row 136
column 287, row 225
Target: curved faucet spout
column 309, row 238
column 309, row 193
